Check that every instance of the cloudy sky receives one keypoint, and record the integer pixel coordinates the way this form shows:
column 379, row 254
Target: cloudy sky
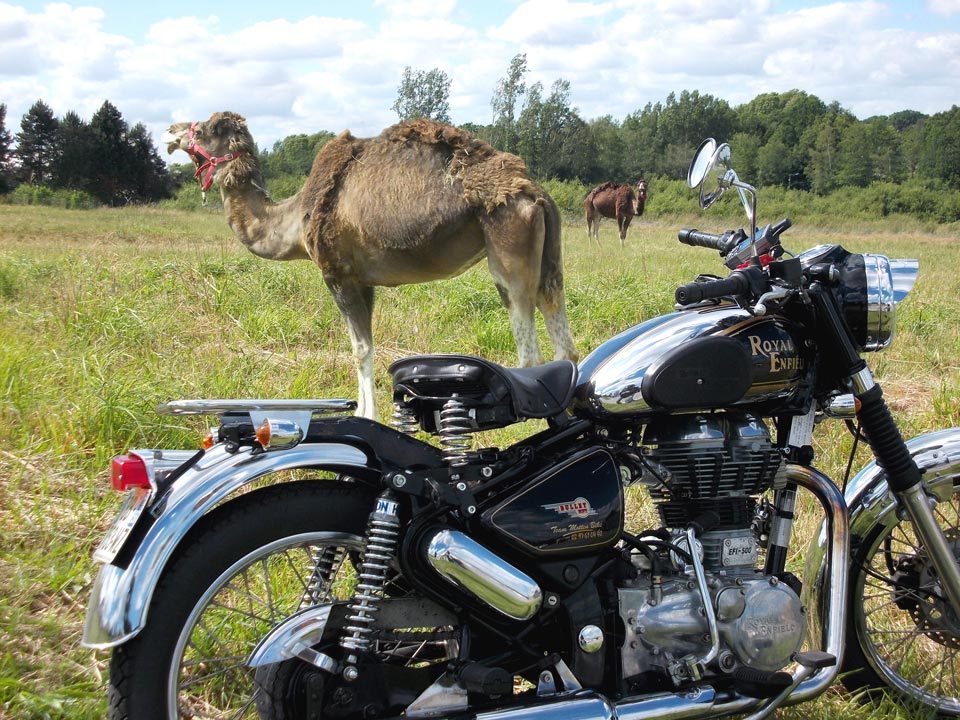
column 301, row 67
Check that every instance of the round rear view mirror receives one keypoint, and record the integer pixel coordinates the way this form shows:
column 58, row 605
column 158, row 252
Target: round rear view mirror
column 701, row 163
column 718, row 177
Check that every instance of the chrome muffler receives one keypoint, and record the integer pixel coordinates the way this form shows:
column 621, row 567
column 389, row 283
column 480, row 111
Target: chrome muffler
column 468, row 565
column 592, row 706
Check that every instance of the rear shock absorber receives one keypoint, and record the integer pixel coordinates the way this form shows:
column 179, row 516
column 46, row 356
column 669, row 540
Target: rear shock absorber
column 404, row 420
column 383, row 530
column 454, row 429
column 326, row 562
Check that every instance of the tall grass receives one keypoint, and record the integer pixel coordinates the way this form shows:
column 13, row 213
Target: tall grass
column 104, row 314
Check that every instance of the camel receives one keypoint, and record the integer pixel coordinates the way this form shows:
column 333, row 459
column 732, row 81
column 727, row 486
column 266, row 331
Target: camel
column 614, row 200
column 422, row 201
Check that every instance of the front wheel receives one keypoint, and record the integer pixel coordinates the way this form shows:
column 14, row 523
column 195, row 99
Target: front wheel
column 903, row 633
column 250, row 564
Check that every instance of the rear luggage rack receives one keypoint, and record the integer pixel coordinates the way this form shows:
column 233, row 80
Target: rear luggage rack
column 219, row 407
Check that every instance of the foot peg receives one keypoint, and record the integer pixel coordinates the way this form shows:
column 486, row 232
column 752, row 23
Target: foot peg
column 815, row 659
column 760, row 683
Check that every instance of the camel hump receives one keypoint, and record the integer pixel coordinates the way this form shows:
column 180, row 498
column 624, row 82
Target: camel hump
column 609, row 186
column 328, row 167
column 490, row 177
column 433, row 132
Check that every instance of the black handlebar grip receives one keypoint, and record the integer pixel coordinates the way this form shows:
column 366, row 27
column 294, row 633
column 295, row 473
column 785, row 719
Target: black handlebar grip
column 696, row 291
column 698, row 238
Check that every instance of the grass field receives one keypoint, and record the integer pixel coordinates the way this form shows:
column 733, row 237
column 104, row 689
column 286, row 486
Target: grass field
column 104, row 314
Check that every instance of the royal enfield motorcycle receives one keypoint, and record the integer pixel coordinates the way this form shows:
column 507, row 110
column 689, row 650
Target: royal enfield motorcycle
column 306, row 563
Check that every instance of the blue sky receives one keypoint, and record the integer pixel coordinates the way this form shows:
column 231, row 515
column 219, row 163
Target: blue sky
column 296, row 67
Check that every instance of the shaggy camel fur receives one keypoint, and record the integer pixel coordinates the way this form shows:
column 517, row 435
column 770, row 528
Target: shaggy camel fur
column 613, row 200
column 422, row 201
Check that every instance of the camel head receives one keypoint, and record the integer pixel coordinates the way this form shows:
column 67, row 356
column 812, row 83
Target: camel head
column 642, row 191
column 221, row 148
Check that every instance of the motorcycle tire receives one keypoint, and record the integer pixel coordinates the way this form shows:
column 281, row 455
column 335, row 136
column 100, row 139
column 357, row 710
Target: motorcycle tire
column 245, row 567
column 903, row 635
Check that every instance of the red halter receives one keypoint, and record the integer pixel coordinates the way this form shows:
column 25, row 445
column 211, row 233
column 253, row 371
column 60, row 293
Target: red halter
column 193, row 149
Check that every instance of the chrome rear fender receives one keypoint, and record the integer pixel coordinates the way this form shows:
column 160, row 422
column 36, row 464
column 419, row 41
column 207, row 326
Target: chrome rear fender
column 871, row 503
column 121, row 596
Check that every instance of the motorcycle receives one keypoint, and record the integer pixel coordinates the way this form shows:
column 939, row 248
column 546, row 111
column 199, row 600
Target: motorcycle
column 306, row 563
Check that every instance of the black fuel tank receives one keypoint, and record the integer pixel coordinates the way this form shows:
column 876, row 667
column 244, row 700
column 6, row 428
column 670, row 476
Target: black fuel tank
column 576, row 506
column 693, row 360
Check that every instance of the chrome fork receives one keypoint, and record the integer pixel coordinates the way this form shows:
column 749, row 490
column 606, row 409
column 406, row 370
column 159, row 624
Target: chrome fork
column 919, row 507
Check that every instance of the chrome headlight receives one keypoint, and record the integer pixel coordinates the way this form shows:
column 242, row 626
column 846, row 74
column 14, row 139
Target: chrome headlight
column 872, row 287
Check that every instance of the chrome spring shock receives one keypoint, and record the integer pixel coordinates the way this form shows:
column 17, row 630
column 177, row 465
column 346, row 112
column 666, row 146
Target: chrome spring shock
column 404, row 420
column 454, row 429
column 326, row 561
column 383, row 529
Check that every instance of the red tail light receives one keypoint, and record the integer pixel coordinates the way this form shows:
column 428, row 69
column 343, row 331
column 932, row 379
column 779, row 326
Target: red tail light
column 129, row 471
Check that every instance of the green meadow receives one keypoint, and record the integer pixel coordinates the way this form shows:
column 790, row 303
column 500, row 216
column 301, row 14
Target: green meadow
column 106, row 313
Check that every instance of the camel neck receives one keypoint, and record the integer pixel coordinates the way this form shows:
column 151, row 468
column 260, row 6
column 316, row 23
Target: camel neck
column 269, row 230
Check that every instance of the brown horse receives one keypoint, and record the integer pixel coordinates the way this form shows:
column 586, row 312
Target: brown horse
column 614, row 200
column 420, row 202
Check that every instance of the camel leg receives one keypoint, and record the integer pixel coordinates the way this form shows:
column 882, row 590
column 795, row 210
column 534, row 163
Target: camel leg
column 551, row 302
column 514, row 241
column 623, row 229
column 593, row 222
column 356, row 305
column 518, row 295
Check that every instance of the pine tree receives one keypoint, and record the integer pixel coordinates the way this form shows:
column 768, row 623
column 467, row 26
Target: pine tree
column 76, row 153
column 150, row 177
column 6, row 180
column 111, row 174
column 37, row 144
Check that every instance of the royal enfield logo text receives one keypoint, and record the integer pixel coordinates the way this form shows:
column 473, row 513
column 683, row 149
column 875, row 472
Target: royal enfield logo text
column 579, row 508
column 781, row 353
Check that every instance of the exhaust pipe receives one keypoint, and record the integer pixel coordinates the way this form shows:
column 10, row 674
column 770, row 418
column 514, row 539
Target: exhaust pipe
column 468, row 565
column 662, row 706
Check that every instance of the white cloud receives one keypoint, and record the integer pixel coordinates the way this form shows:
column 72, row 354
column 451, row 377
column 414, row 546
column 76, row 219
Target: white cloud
column 942, row 7
column 554, row 22
column 320, row 73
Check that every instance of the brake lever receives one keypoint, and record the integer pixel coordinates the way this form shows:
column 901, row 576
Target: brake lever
column 769, row 297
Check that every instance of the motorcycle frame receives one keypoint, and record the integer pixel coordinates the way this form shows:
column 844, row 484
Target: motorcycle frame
column 122, row 595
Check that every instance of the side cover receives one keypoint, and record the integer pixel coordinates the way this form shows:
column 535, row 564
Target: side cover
column 571, row 508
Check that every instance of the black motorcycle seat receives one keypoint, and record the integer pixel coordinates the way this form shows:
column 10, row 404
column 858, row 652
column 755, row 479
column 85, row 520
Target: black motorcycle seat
column 542, row 391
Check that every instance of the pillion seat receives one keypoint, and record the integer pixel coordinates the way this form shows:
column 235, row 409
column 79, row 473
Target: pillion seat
column 494, row 395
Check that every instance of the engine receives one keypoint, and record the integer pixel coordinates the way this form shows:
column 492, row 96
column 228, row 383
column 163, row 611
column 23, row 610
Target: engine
column 705, row 471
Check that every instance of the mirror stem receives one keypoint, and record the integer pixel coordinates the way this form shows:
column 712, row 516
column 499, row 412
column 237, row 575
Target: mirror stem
column 753, row 211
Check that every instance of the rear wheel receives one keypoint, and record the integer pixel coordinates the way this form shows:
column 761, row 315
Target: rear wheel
column 903, row 633
column 252, row 563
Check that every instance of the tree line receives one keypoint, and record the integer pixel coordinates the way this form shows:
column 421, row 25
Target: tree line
column 105, row 158
column 792, row 139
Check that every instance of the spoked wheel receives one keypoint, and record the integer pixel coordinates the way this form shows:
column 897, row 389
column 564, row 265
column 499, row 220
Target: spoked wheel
column 254, row 562
column 905, row 635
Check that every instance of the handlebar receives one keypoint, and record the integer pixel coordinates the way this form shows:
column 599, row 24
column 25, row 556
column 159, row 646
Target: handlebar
column 736, row 283
column 697, row 238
